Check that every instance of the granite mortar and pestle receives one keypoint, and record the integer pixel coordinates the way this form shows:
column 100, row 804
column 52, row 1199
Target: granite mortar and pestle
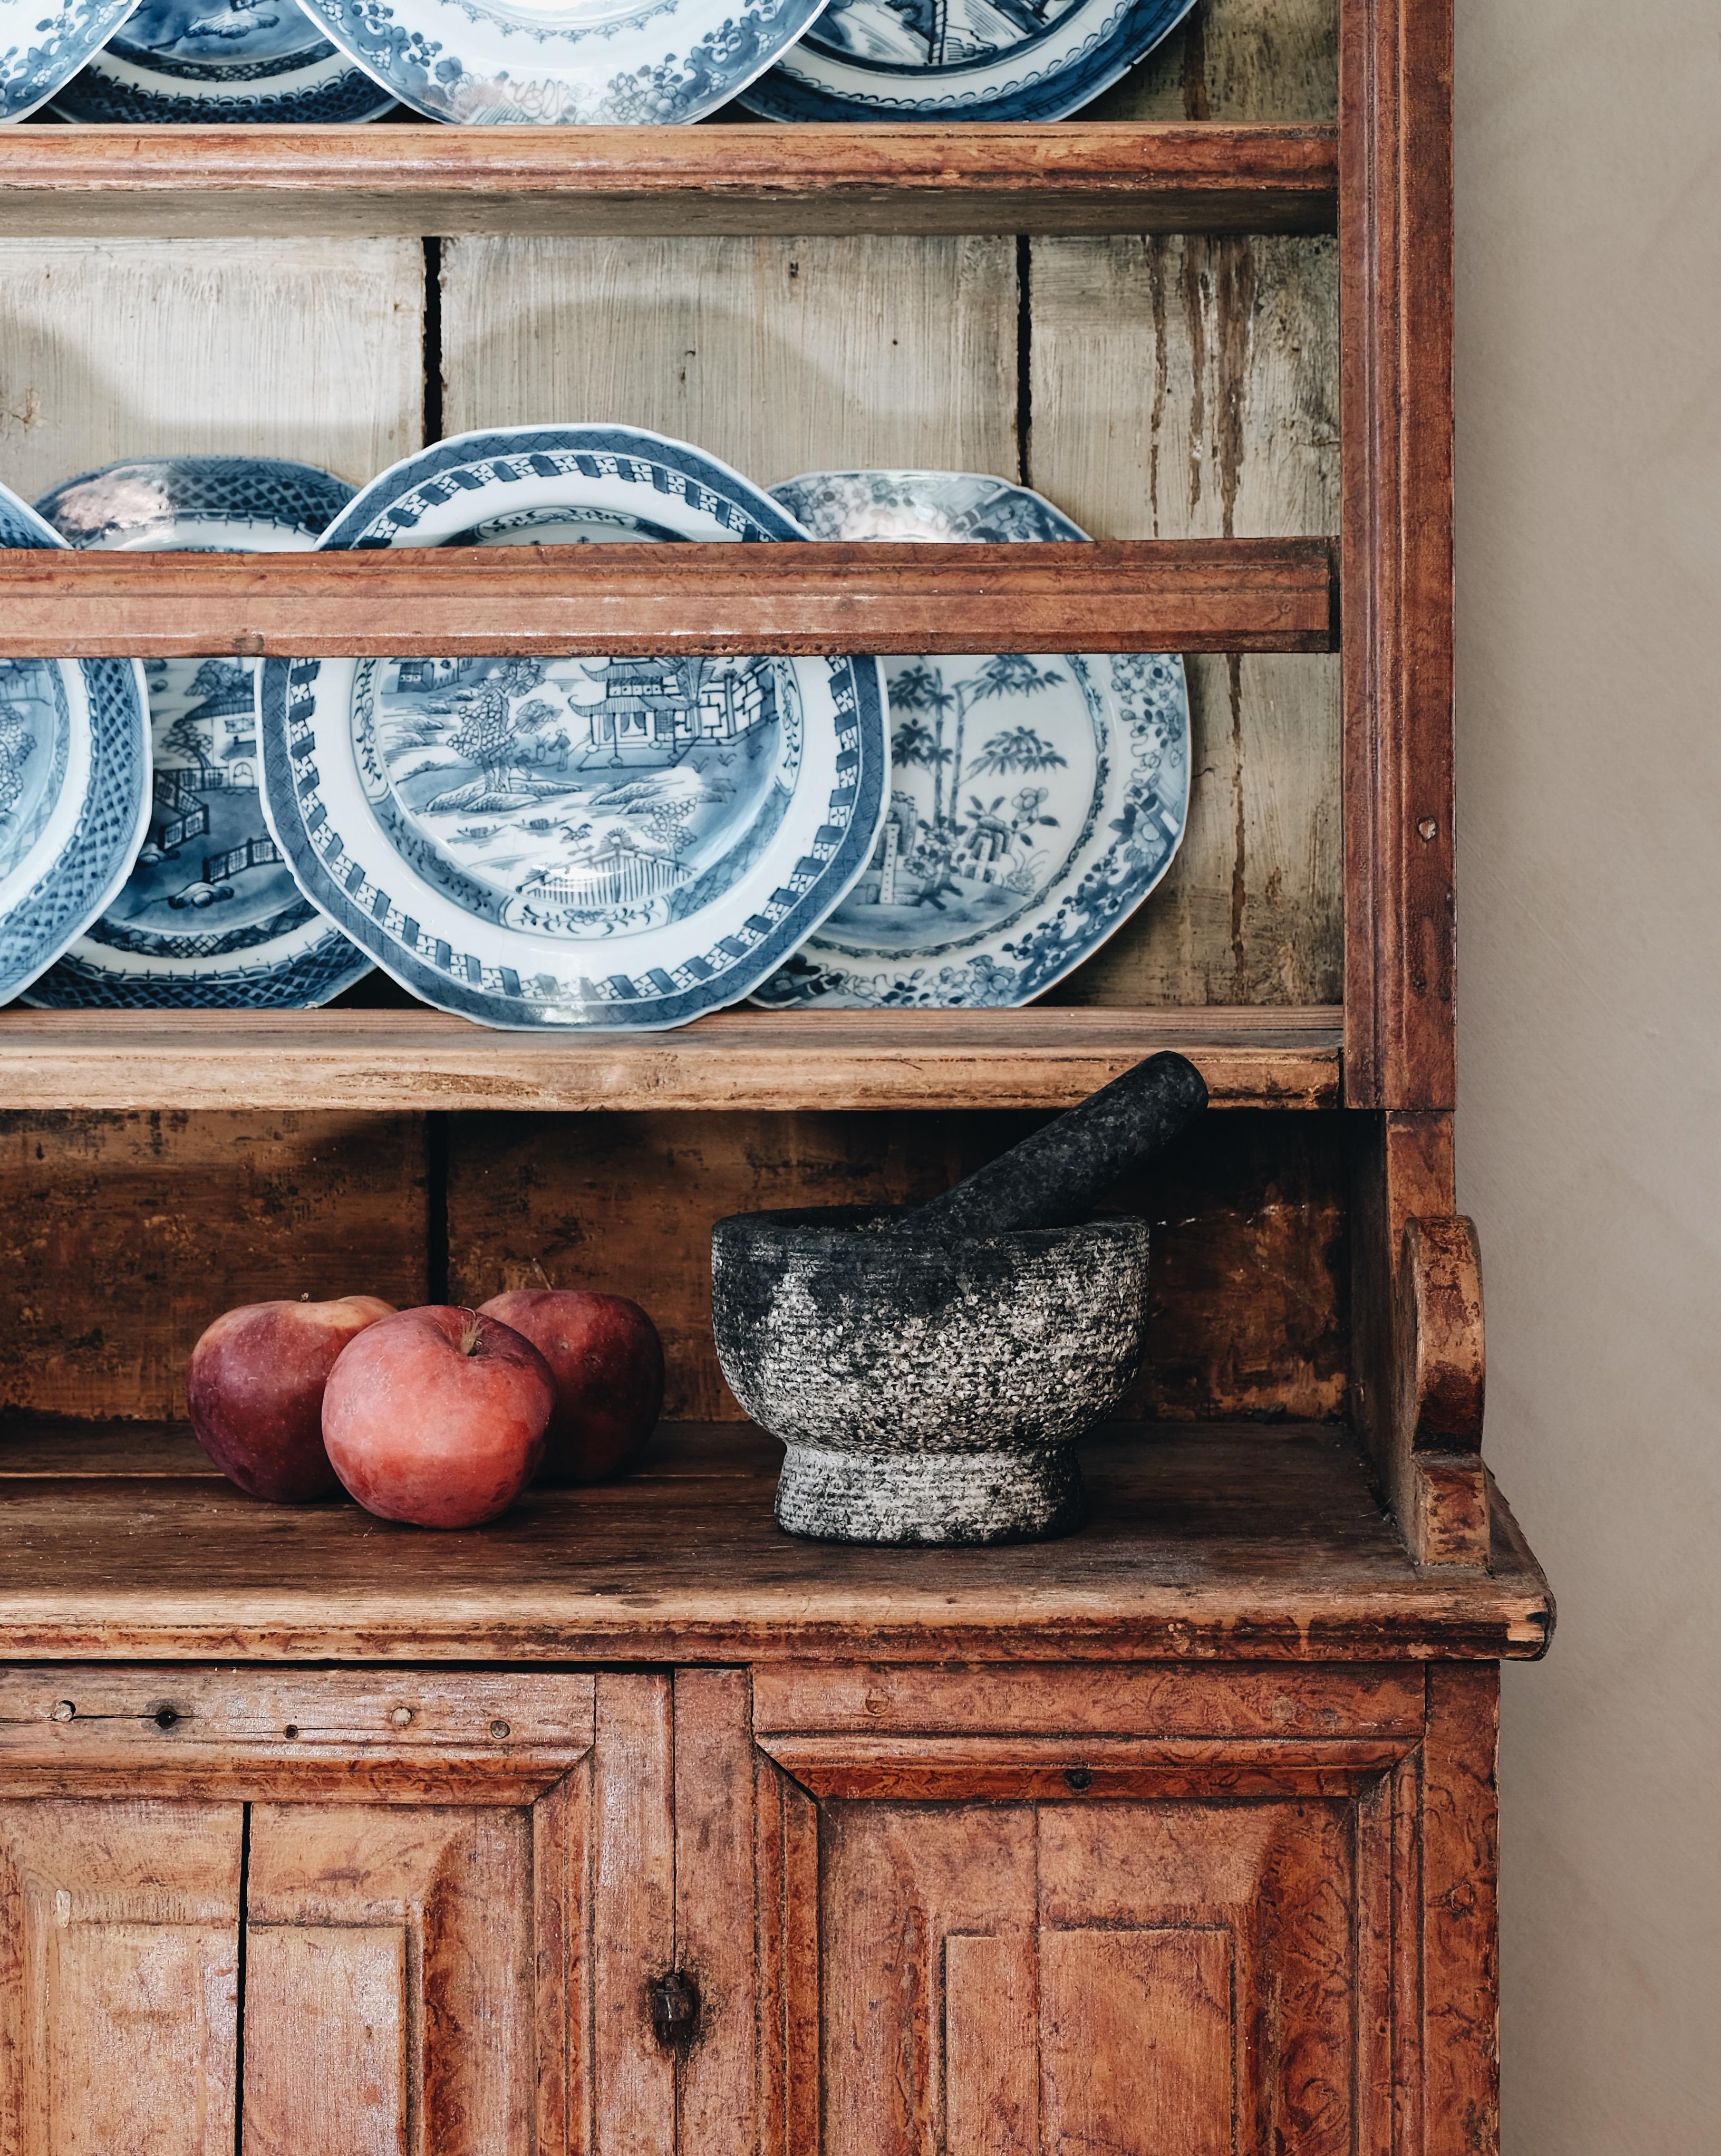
column 927, row 1369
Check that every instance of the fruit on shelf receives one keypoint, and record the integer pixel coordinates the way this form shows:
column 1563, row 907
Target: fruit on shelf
column 256, row 1386
column 607, row 1362
column 436, row 1416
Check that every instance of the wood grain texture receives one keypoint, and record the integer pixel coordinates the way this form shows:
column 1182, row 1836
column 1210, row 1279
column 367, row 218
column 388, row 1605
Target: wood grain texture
column 418, row 1059
column 630, row 1939
column 394, row 1980
column 1246, row 1259
column 123, row 1235
column 1183, row 388
column 1459, row 2035
column 1396, row 286
column 1231, row 60
column 1199, row 595
column 1215, row 1542
column 119, row 1976
column 1441, row 1359
column 738, row 179
column 149, row 346
column 780, row 355
column 716, row 1888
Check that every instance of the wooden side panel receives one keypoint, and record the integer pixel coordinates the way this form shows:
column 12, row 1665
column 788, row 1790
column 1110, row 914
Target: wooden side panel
column 1236, row 59
column 1460, row 1916
column 146, row 348
column 119, row 1978
column 1187, row 389
column 1249, row 1251
column 1395, row 188
column 781, row 355
column 122, row 1236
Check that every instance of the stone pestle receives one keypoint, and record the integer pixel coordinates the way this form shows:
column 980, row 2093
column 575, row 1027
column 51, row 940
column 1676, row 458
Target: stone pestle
column 1054, row 1178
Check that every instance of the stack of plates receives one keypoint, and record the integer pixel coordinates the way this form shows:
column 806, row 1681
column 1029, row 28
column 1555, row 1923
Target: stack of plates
column 607, row 61
column 570, row 842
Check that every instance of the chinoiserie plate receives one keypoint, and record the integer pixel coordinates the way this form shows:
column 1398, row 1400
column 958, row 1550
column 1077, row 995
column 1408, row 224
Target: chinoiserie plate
column 961, row 60
column 1035, row 801
column 74, row 786
column 210, row 917
column 561, row 61
column 42, row 48
column 537, row 842
column 178, row 63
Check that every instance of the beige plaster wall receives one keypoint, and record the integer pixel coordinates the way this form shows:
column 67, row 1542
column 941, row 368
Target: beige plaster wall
column 1589, row 385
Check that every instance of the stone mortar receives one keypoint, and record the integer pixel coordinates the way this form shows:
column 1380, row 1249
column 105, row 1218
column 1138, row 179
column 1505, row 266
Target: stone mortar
column 928, row 1387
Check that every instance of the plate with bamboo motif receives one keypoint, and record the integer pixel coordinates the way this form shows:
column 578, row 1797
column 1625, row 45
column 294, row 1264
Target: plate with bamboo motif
column 1035, row 800
column 565, row 842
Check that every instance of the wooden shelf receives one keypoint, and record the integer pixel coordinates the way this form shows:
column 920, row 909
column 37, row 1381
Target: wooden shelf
column 1221, row 1540
column 1145, row 595
column 740, row 1058
column 1077, row 177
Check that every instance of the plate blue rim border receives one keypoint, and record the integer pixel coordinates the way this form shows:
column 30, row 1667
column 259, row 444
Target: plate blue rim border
column 777, row 95
column 84, row 25
column 280, row 676
column 1122, row 907
column 302, row 983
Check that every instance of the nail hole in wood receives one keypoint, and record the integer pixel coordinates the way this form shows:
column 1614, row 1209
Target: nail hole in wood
column 165, row 1717
column 1078, row 1777
column 291, row 1729
column 401, row 1717
column 675, row 2001
column 498, row 1730
column 63, row 1710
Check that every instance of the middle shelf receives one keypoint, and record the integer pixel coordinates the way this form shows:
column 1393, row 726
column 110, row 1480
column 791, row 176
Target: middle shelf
column 624, row 601
column 421, row 1060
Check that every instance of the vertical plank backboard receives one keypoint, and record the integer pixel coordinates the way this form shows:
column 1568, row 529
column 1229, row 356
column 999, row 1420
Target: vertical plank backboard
column 306, row 348
column 781, row 355
column 1236, row 59
column 1185, row 387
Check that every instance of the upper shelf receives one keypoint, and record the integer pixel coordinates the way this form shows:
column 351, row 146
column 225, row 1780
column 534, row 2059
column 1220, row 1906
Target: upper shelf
column 1077, row 177
column 415, row 1059
column 1144, row 595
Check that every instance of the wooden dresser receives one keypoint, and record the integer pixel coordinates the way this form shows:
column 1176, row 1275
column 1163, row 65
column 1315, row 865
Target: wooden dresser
column 628, row 1825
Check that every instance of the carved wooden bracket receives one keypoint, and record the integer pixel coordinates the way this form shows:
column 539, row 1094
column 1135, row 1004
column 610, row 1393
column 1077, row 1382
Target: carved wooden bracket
column 1440, row 1370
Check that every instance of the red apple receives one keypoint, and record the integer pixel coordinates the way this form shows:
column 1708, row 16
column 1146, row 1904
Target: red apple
column 256, row 1386
column 438, row 1416
column 607, row 1362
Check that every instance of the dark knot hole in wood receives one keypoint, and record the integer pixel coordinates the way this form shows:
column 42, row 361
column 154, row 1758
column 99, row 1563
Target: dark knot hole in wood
column 675, row 2001
column 1079, row 1778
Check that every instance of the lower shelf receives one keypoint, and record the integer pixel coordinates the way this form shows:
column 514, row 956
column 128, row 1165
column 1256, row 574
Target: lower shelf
column 419, row 1058
column 1206, row 1541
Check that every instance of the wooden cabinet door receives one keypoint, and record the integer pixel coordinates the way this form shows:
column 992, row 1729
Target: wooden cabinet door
column 1043, row 1913
column 336, row 1914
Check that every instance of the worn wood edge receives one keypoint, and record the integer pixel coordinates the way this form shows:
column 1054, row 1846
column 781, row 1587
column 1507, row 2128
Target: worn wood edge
column 1439, row 1491
column 812, row 596
column 391, row 1060
column 429, row 181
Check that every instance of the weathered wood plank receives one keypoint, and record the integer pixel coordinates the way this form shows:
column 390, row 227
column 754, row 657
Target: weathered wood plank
column 1236, row 60
column 395, row 1061
column 144, row 347
column 1202, row 595
column 780, row 355
column 735, row 179
column 1186, row 388
column 121, row 1236
column 1222, row 1542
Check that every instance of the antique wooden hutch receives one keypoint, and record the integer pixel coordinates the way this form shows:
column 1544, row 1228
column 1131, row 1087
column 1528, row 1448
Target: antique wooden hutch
column 628, row 1823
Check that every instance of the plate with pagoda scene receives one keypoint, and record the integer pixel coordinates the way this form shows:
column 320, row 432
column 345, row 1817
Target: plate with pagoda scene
column 177, row 63
column 209, row 916
column 960, row 59
column 74, row 786
column 1035, row 801
column 573, row 842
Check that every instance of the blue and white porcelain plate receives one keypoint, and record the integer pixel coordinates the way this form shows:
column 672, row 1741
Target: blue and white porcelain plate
column 74, row 786
column 961, row 60
column 181, row 62
column 210, row 917
column 43, row 47
column 1034, row 803
column 557, row 62
column 565, row 842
